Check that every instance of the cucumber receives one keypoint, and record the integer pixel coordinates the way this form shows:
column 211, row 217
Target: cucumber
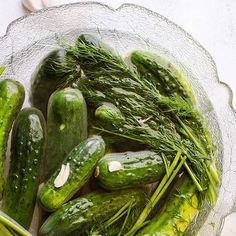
column 74, row 172
column 108, row 114
column 129, row 169
column 27, row 150
column 177, row 213
column 167, row 78
column 12, row 96
column 88, row 211
column 66, row 127
column 46, row 78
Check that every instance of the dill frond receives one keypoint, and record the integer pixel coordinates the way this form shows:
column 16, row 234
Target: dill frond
column 166, row 124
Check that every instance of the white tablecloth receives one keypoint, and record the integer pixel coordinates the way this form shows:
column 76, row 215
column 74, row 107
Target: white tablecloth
column 211, row 22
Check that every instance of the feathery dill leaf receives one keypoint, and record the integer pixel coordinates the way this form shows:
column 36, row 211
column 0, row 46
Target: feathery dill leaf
column 148, row 114
column 159, row 121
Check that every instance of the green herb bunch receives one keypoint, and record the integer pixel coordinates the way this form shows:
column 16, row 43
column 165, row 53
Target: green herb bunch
column 167, row 124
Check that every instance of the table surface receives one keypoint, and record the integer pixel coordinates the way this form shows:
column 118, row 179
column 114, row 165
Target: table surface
column 211, row 22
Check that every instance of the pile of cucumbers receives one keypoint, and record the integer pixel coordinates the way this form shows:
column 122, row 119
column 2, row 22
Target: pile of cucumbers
column 92, row 183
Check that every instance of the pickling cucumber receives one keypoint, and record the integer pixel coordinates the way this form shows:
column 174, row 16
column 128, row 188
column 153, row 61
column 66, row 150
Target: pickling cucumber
column 178, row 212
column 74, row 172
column 91, row 210
column 66, row 127
column 12, row 96
column 108, row 114
column 27, row 150
column 166, row 77
column 129, row 169
column 46, row 78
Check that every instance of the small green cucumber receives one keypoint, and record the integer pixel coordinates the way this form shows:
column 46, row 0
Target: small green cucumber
column 12, row 95
column 89, row 211
column 108, row 114
column 166, row 77
column 46, row 78
column 129, row 169
column 74, row 172
column 177, row 213
column 27, row 150
column 66, row 127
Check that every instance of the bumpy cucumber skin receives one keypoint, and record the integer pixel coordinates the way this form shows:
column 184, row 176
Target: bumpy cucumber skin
column 45, row 79
column 12, row 95
column 82, row 160
column 163, row 74
column 27, row 150
column 177, row 213
column 108, row 114
column 136, row 168
column 66, row 127
column 88, row 211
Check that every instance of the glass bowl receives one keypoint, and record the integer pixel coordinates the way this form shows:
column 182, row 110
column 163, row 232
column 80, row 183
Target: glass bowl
column 130, row 27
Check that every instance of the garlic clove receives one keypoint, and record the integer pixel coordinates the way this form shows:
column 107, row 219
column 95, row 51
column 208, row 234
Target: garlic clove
column 62, row 176
column 33, row 5
column 114, row 166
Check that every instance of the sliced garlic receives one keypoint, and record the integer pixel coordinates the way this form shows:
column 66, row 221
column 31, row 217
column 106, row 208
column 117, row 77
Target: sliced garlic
column 62, row 176
column 33, row 5
column 114, row 166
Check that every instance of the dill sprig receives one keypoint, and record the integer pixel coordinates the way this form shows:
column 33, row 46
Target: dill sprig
column 148, row 114
column 120, row 223
column 167, row 124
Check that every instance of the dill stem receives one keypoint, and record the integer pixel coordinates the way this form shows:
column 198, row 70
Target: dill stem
column 165, row 163
column 126, row 218
column 6, row 222
column 120, row 213
column 199, row 187
column 160, row 190
column 117, row 134
column 211, row 179
column 212, row 195
column 117, row 216
column 4, row 231
column 176, row 171
column 213, row 173
column 191, row 136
